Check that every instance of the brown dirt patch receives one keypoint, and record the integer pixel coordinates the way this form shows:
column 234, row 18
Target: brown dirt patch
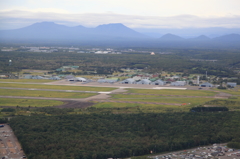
column 12, row 150
column 9, row 144
column 18, row 145
column 2, row 145
column 3, row 151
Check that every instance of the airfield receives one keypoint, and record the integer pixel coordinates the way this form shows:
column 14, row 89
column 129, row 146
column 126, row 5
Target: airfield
column 82, row 95
column 120, row 98
column 94, row 91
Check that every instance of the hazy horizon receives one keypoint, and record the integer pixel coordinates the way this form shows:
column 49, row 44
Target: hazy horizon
column 210, row 32
column 157, row 14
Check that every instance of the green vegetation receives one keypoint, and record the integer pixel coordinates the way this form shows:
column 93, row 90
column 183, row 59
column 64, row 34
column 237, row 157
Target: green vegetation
column 130, row 124
column 57, row 87
column 208, row 109
column 235, row 91
column 232, row 104
column 28, row 102
column 188, row 101
column 116, row 136
column 8, row 110
column 185, row 103
column 48, row 94
column 173, row 92
column 179, row 61
column 235, row 143
column 26, row 80
column 128, row 108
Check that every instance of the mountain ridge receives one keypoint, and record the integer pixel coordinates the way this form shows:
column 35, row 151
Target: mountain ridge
column 113, row 33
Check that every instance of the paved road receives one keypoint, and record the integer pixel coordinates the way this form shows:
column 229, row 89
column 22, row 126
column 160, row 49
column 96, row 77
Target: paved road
column 116, row 85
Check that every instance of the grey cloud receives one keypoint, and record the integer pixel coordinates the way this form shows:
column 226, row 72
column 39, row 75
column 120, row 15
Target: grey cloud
column 17, row 19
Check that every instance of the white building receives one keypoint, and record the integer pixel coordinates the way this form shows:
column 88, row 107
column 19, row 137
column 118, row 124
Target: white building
column 101, row 52
column 159, row 82
column 128, row 81
column 78, row 79
column 231, row 84
column 144, row 81
column 206, row 84
column 178, row 83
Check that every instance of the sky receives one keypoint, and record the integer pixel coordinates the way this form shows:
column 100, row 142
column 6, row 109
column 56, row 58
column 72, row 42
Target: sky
column 132, row 13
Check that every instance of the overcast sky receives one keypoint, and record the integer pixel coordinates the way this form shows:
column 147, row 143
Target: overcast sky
column 132, row 13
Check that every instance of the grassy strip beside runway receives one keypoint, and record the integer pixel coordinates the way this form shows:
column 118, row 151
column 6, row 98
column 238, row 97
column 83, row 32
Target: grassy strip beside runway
column 235, row 91
column 26, row 80
column 181, row 100
column 28, row 102
column 139, row 108
column 57, row 87
column 173, row 92
column 48, row 94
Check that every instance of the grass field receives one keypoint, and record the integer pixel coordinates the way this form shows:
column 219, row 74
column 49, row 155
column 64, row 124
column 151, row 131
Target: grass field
column 28, row 102
column 49, row 94
column 235, row 91
column 192, row 101
column 117, row 96
column 26, row 80
column 139, row 108
column 232, row 103
column 173, row 92
column 57, row 87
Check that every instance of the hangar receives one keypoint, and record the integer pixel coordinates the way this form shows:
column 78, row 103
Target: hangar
column 206, row 84
column 159, row 82
column 128, row 81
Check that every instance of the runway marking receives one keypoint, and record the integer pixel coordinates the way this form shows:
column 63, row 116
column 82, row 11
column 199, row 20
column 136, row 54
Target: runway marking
column 104, row 92
column 168, row 88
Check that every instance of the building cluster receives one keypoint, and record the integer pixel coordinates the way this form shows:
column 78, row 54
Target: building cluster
column 72, row 78
column 8, row 76
column 108, row 80
column 215, row 151
column 42, row 77
column 153, row 82
column 40, row 49
column 107, row 52
column 7, row 49
column 136, row 76
column 51, row 49
column 67, row 68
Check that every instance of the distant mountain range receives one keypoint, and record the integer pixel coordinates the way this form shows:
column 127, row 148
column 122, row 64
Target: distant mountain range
column 108, row 34
column 171, row 37
column 212, row 32
column 52, row 31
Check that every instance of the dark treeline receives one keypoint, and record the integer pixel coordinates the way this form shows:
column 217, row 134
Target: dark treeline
column 180, row 61
column 208, row 109
column 98, row 136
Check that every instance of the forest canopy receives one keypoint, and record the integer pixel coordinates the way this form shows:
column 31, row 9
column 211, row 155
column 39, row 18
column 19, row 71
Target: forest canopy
column 97, row 136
